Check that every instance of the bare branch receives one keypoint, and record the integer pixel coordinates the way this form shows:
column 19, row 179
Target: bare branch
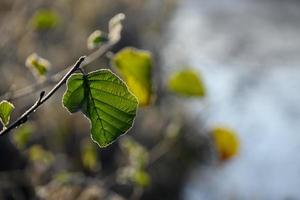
column 12, row 95
column 42, row 98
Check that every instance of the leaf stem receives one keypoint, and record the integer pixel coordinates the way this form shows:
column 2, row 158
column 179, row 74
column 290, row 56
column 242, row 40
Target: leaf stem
column 42, row 98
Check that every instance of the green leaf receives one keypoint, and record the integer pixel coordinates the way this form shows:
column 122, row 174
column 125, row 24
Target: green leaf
column 44, row 19
column 115, row 27
column 186, row 83
column 5, row 110
column 38, row 65
column 96, row 39
column 135, row 67
column 105, row 99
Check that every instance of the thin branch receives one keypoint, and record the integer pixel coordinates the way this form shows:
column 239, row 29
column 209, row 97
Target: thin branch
column 42, row 98
column 12, row 95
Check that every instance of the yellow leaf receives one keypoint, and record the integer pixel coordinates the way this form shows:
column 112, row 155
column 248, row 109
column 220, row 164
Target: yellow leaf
column 186, row 83
column 226, row 142
column 135, row 67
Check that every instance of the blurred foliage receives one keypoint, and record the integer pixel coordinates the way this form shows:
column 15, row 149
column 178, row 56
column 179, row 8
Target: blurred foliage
column 105, row 100
column 45, row 19
column 22, row 135
column 38, row 154
column 63, row 177
column 187, row 83
column 135, row 66
column 5, row 111
column 173, row 130
column 139, row 177
column 226, row 142
column 138, row 155
column 89, row 156
column 159, row 153
column 138, row 158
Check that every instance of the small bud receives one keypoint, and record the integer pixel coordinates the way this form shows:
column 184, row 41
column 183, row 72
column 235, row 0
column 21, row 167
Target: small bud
column 95, row 39
column 38, row 65
column 6, row 109
column 115, row 27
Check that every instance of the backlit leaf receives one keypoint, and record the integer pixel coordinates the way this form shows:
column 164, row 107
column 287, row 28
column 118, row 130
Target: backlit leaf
column 135, row 67
column 5, row 110
column 226, row 142
column 186, row 83
column 105, row 100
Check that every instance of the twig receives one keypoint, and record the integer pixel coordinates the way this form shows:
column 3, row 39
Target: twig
column 11, row 95
column 42, row 98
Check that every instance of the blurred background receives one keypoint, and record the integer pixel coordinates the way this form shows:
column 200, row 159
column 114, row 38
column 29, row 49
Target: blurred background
column 244, row 51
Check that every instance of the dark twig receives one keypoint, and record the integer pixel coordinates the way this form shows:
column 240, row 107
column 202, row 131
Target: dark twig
column 42, row 98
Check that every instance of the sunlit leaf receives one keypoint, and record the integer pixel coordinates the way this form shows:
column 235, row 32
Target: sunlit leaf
column 89, row 155
column 105, row 100
column 226, row 142
column 186, row 83
column 135, row 67
column 45, row 19
column 38, row 65
column 22, row 135
column 115, row 27
column 96, row 39
column 5, row 111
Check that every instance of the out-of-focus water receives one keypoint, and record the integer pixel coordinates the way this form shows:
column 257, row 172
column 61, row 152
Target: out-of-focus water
column 249, row 55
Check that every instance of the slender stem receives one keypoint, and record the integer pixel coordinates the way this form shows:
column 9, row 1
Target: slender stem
column 11, row 95
column 42, row 98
